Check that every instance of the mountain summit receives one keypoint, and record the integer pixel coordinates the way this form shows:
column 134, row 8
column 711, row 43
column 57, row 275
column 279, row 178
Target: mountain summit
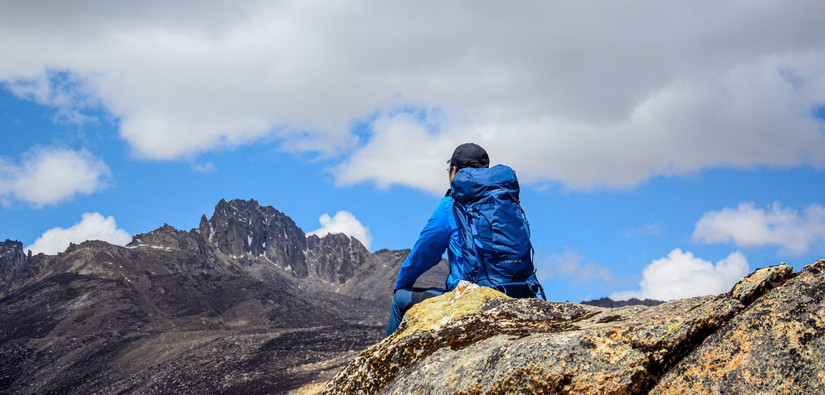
column 242, row 228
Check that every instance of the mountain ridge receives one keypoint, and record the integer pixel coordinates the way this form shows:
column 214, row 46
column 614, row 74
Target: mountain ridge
column 241, row 236
column 245, row 295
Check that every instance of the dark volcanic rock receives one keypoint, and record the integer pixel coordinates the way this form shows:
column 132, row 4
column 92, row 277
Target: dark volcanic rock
column 245, row 303
column 231, row 306
column 79, row 334
column 244, row 228
column 335, row 258
column 13, row 267
column 18, row 268
column 167, row 237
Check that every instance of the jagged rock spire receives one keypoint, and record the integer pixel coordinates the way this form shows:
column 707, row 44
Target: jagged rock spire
column 245, row 228
column 12, row 263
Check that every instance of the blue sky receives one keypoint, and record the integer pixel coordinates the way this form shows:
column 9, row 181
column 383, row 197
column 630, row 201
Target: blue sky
column 664, row 150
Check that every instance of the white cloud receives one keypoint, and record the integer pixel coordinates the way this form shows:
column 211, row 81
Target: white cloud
column 65, row 91
column 747, row 226
column 682, row 275
column 51, row 175
column 403, row 151
column 565, row 92
column 346, row 223
column 93, row 226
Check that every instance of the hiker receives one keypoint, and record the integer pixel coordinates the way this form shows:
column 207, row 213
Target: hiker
column 448, row 228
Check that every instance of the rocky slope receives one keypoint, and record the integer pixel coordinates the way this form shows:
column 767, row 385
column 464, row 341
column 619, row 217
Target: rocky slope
column 245, row 303
column 765, row 336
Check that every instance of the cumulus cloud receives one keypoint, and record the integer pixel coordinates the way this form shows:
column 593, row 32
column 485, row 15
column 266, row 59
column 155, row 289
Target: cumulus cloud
column 403, row 151
column 346, row 223
column 682, row 275
column 748, row 226
column 51, row 175
column 565, row 92
column 92, row 226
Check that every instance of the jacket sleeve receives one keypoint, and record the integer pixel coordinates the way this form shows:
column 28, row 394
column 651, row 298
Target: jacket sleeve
column 430, row 246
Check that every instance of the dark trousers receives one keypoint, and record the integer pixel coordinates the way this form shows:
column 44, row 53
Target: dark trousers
column 403, row 299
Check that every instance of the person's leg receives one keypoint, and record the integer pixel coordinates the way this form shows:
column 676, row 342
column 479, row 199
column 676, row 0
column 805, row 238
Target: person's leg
column 405, row 298
column 401, row 301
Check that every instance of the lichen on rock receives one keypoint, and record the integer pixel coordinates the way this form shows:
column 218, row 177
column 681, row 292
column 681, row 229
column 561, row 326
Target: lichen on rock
column 774, row 346
column 761, row 281
column 481, row 341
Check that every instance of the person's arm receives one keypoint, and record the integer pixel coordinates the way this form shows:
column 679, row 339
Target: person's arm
column 430, row 246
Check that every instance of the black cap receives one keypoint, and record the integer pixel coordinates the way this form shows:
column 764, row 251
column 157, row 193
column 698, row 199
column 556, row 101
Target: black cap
column 469, row 155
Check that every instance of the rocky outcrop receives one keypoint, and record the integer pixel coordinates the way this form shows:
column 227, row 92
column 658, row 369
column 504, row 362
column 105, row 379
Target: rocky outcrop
column 167, row 237
column 335, row 258
column 376, row 279
column 18, row 268
column 12, row 263
column 480, row 341
column 241, row 228
column 775, row 346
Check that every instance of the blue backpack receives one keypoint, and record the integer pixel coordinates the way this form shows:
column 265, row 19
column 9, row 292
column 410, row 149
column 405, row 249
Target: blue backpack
column 494, row 232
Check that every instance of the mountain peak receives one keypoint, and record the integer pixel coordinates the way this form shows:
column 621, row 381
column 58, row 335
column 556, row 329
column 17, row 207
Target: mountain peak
column 12, row 263
column 167, row 237
column 241, row 228
column 336, row 257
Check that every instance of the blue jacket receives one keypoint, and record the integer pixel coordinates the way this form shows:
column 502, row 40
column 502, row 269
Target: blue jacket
column 440, row 234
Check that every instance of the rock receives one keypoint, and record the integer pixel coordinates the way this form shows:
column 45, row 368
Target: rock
column 775, row 346
column 335, row 258
column 13, row 266
column 761, row 281
column 103, row 326
column 376, row 278
column 485, row 342
column 240, row 228
column 168, row 237
column 18, row 268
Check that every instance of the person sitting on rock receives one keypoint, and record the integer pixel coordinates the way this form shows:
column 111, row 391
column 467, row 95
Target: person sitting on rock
column 481, row 225
column 439, row 234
